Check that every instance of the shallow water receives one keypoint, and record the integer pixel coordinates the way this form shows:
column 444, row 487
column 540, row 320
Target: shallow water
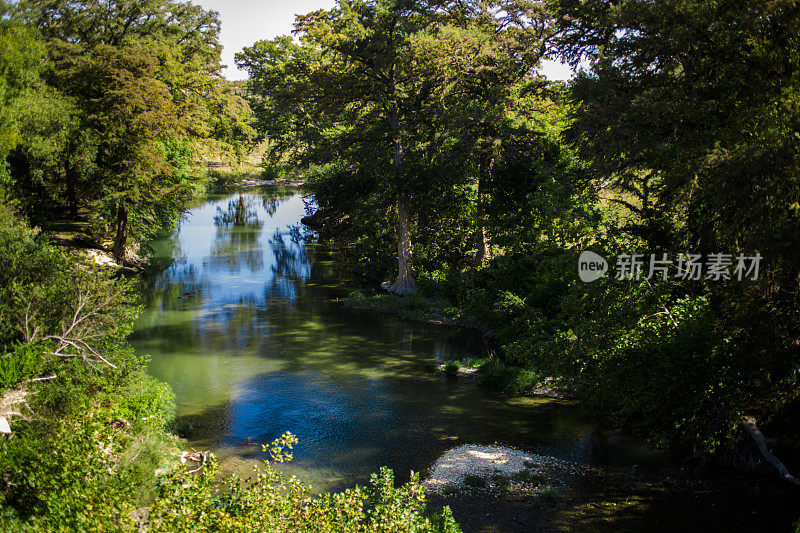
column 244, row 324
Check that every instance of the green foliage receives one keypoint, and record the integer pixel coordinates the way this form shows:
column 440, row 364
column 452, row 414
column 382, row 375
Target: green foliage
column 527, row 476
column 451, row 367
column 509, row 378
column 108, row 106
column 88, row 439
column 414, row 306
column 19, row 76
column 271, row 502
column 90, row 445
column 20, row 362
column 418, row 100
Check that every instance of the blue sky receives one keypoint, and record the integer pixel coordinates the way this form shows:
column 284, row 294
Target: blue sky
column 247, row 21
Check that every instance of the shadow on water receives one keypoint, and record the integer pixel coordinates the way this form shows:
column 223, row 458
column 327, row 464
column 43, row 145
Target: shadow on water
column 244, row 325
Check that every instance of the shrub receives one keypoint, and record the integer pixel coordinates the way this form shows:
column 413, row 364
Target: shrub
column 451, row 368
column 501, row 481
column 271, row 502
column 21, row 362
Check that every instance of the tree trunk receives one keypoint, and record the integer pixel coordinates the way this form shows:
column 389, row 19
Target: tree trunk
column 404, row 284
column 749, row 424
column 484, row 171
column 120, row 233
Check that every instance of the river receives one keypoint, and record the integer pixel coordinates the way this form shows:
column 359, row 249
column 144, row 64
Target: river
column 244, row 323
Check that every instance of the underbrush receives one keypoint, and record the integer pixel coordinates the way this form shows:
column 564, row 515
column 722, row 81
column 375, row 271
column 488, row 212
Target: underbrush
column 664, row 359
column 272, row 502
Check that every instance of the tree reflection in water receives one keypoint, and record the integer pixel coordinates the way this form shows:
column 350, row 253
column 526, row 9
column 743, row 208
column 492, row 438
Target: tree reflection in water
column 236, row 240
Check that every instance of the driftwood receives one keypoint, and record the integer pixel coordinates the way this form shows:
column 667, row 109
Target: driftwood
column 749, row 424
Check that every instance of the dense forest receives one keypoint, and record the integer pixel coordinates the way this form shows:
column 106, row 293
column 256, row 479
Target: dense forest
column 442, row 164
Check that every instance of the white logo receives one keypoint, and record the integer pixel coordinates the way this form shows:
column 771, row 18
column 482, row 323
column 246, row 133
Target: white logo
column 591, row 266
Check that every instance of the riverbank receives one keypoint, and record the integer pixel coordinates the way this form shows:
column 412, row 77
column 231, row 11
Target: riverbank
column 277, row 182
column 415, row 307
column 223, row 180
column 75, row 241
column 432, row 311
column 555, row 495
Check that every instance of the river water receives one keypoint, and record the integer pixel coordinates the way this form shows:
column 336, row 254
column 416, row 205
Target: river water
column 244, row 324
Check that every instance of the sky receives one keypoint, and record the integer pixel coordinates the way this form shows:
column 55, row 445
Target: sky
column 247, row 21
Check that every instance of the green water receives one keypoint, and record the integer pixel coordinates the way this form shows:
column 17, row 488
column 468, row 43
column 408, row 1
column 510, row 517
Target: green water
column 244, row 323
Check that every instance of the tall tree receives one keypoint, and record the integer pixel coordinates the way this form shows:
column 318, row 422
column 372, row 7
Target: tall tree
column 400, row 82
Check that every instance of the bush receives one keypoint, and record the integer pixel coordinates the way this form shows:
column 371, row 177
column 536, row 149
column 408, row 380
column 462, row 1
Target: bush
column 271, row 502
column 87, row 443
column 508, row 378
column 451, row 368
column 93, row 446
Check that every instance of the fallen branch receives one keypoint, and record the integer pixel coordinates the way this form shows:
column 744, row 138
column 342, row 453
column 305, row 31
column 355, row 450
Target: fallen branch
column 749, row 424
column 45, row 378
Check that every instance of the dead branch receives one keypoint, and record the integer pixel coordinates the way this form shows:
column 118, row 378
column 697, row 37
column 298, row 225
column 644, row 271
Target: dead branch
column 45, row 378
column 83, row 349
column 749, row 424
column 11, row 403
column 663, row 306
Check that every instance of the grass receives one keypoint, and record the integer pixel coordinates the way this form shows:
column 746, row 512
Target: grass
column 475, row 481
column 550, row 495
column 222, row 179
column 526, row 476
column 412, row 307
column 509, row 379
column 451, row 367
column 502, row 482
column 474, row 362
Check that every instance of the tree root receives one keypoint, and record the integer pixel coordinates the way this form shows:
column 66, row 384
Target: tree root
column 749, row 424
column 401, row 287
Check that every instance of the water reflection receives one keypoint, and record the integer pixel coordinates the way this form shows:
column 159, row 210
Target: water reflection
column 244, row 326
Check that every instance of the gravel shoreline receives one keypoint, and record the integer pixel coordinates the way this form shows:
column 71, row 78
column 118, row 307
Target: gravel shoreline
column 452, row 470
